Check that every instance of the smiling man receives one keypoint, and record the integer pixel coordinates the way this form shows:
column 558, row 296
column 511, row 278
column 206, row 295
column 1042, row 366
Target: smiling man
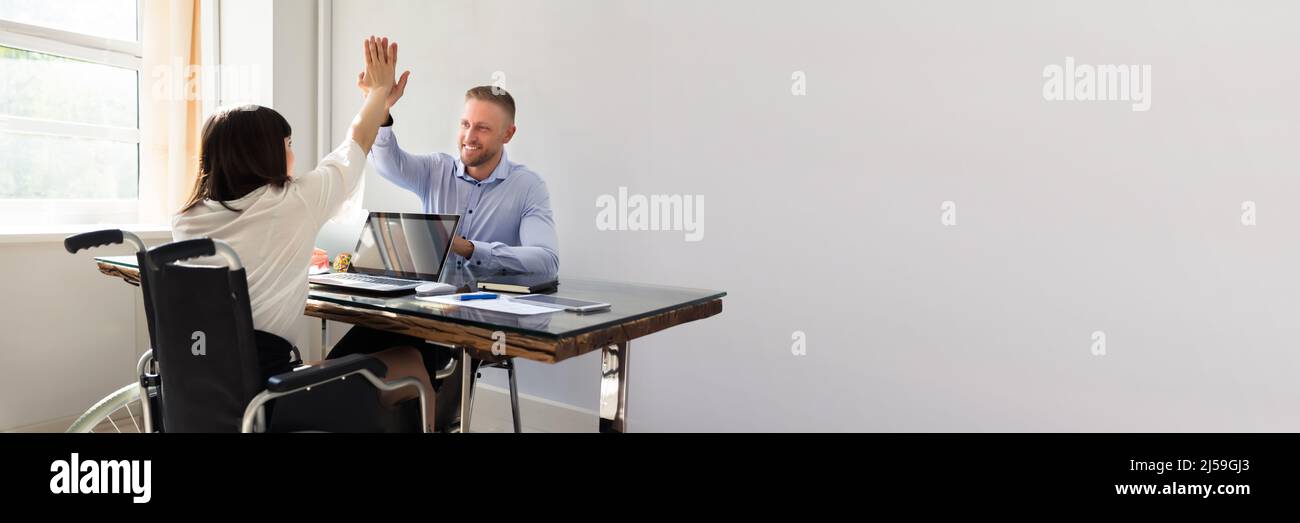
column 506, row 220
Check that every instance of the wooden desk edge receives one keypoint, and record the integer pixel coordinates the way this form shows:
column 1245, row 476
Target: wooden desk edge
column 517, row 345
column 479, row 339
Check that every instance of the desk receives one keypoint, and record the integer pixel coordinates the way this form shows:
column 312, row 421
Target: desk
column 638, row 310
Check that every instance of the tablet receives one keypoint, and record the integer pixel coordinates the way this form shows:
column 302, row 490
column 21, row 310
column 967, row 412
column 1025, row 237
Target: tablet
column 568, row 304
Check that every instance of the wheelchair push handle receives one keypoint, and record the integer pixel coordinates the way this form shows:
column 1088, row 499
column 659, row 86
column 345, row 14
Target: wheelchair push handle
column 196, row 248
column 90, row 240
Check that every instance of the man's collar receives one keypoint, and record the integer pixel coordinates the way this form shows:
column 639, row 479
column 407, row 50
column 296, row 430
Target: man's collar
column 500, row 173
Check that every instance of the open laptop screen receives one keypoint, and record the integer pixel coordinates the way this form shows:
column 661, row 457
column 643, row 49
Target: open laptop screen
column 405, row 245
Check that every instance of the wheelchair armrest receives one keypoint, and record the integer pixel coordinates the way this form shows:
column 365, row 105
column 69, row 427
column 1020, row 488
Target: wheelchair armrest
column 325, row 371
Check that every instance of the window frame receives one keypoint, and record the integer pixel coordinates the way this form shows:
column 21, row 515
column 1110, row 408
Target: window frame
column 87, row 48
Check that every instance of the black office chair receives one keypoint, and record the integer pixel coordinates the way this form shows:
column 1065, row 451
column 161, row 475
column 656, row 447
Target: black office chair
column 207, row 353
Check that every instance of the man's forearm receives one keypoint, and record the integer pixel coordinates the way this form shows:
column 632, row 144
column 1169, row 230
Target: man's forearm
column 532, row 259
column 406, row 170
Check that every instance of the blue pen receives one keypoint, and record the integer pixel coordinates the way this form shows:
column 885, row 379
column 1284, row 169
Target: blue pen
column 479, row 296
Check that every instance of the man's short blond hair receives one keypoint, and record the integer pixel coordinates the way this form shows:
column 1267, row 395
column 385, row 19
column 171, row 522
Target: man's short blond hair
column 496, row 95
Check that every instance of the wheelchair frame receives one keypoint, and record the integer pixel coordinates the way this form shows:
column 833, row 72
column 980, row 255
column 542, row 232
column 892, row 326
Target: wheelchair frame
column 149, row 383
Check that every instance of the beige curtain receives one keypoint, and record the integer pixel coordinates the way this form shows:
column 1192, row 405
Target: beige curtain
column 170, row 107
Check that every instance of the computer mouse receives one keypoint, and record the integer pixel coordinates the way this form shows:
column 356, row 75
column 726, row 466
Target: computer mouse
column 435, row 289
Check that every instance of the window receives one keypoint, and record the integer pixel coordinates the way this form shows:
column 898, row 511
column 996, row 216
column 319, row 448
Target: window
column 69, row 111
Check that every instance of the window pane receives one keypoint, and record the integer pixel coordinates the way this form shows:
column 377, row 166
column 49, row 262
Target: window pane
column 114, row 19
column 44, row 167
column 36, row 85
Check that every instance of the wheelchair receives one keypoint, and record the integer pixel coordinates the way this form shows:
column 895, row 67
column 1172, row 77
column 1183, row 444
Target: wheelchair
column 202, row 373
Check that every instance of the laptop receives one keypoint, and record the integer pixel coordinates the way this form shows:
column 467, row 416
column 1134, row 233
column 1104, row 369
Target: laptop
column 396, row 253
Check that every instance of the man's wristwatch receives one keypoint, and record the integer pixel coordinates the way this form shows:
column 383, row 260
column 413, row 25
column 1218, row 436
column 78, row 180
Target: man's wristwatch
column 388, row 122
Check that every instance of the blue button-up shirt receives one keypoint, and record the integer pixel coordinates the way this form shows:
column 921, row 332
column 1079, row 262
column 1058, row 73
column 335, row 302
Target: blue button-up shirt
column 506, row 216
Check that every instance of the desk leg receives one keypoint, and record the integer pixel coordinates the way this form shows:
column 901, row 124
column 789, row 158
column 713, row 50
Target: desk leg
column 324, row 338
column 466, row 389
column 613, row 388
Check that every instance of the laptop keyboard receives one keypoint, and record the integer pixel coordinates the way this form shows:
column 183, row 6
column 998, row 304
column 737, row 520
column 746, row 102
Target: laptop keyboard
column 380, row 280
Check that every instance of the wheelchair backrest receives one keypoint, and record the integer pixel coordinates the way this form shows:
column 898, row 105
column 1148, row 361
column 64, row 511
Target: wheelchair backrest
column 203, row 337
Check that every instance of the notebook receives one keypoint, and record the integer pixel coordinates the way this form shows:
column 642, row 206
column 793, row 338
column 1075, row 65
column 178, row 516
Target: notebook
column 519, row 283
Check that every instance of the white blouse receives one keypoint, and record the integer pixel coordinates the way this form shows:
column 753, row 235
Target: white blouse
column 275, row 233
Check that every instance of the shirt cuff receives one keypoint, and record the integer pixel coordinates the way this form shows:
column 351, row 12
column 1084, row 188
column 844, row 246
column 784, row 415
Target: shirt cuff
column 482, row 256
column 384, row 137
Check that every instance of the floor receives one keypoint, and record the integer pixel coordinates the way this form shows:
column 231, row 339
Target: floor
column 491, row 415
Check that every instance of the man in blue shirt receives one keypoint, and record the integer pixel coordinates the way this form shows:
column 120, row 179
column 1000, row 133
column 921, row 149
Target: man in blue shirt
column 506, row 220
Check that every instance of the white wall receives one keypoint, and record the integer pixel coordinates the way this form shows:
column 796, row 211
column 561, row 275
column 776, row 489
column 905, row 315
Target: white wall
column 295, row 77
column 823, row 210
column 247, row 52
column 71, row 334
column 270, row 49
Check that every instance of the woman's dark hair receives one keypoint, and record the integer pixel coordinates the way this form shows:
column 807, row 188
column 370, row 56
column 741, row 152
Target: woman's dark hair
column 242, row 150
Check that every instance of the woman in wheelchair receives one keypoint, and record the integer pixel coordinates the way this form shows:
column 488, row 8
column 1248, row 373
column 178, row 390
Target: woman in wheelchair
column 246, row 194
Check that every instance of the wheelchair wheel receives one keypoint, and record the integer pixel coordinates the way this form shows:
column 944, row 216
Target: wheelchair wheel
column 118, row 412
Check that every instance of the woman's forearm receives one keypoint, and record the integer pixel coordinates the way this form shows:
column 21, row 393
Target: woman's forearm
column 373, row 113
